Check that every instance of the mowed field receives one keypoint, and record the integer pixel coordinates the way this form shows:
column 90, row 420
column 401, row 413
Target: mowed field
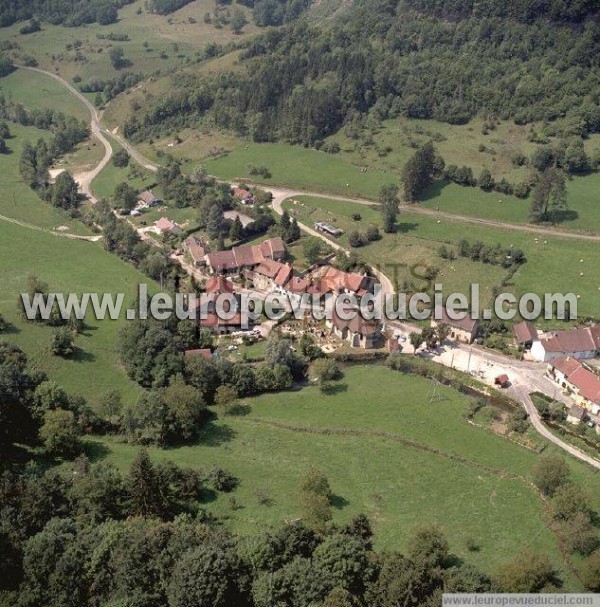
column 554, row 265
column 35, row 90
column 171, row 41
column 302, row 168
column 476, row 485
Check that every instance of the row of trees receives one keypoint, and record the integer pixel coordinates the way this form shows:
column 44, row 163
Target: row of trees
column 506, row 257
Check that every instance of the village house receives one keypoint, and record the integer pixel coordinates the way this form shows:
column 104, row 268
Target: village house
column 148, row 199
column 243, row 196
column 197, row 249
column 206, row 313
column 584, row 385
column 579, row 343
column 270, row 275
column 338, row 281
column 358, row 332
column 295, row 287
column 525, row 334
column 237, row 259
column 463, row 330
column 166, row 226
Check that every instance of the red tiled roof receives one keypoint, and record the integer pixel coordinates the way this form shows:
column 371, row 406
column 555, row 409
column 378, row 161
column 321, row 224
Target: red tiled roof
column 357, row 324
column 566, row 365
column 247, row 256
column 284, row 274
column 244, row 255
column 297, row 285
column 466, row 324
column 587, row 384
column 222, row 260
column 212, row 320
column 272, row 247
column 525, row 331
column 240, row 193
column 147, row 196
column 586, row 339
column 269, row 268
column 197, row 252
column 337, row 280
column 166, row 225
column 217, row 284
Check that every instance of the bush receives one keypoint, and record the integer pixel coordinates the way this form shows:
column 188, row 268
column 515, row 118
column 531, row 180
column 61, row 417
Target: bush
column 221, row 480
column 121, row 158
column 355, row 239
column 373, row 233
column 63, row 343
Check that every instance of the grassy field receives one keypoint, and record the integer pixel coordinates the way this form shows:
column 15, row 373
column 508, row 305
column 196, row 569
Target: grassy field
column 104, row 184
column 67, row 266
column 18, row 201
column 172, row 41
column 404, row 255
column 291, row 166
column 397, row 485
column 554, row 264
column 36, row 90
column 583, row 212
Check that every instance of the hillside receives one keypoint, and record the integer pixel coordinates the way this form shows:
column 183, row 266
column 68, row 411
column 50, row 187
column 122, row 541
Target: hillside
column 303, row 82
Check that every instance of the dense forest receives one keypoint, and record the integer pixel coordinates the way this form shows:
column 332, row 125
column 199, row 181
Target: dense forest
column 70, row 13
column 303, row 82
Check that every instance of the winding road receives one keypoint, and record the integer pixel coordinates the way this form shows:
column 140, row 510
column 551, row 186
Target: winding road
column 526, row 377
column 85, row 179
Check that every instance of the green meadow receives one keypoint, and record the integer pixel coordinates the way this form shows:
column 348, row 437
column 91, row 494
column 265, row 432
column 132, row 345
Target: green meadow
column 155, row 42
column 554, row 264
column 470, row 481
column 17, row 201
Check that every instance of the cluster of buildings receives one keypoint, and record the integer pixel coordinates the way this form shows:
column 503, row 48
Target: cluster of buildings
column 583, row 385
column 263, row 268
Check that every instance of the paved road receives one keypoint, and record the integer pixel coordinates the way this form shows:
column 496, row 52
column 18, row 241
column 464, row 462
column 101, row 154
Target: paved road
column 85, row 179
column 139, row 158
column 525, row 377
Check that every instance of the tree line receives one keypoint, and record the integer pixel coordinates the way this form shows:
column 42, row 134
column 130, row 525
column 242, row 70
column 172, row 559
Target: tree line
column 70, row 13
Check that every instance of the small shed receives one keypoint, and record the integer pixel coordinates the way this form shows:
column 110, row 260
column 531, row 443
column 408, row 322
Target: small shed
column 576, row 415
column 502, row 381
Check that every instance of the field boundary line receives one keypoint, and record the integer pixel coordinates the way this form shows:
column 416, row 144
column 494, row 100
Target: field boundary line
column 390, row 436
